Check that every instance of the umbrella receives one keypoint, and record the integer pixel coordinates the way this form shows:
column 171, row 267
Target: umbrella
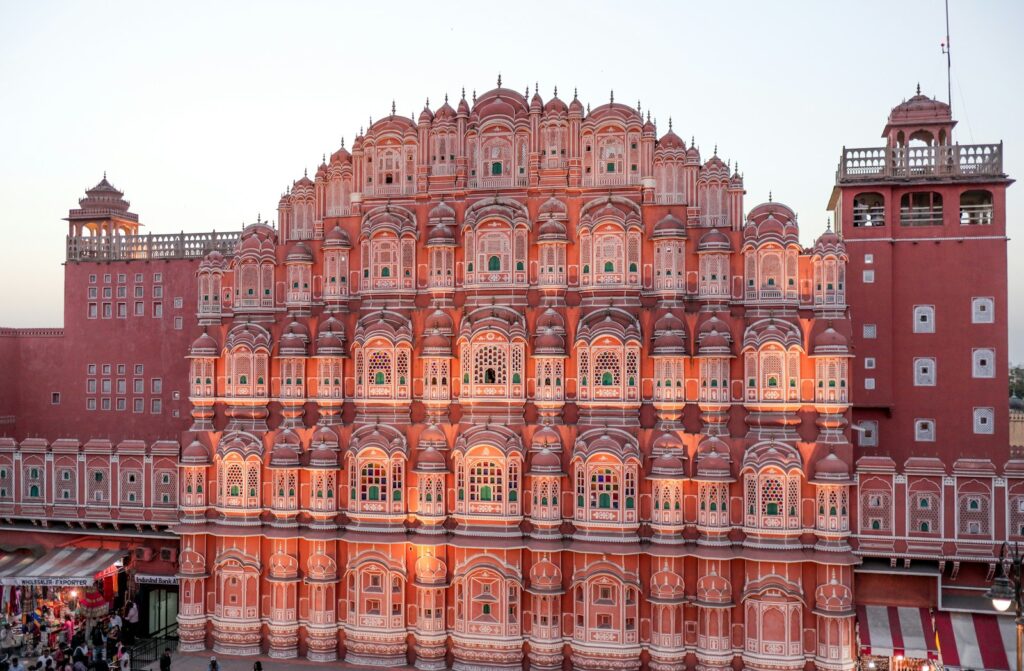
column 93, row 603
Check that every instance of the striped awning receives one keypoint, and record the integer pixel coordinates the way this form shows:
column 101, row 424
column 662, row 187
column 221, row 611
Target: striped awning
column 72, row 567
column 886, row 631
column 975, row 641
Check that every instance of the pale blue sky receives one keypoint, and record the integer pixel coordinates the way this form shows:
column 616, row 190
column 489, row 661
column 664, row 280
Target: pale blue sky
column 203, row 112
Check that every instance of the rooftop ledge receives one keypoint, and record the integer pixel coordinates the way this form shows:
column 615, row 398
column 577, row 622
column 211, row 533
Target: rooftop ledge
column 946, row 161
column 150, row 247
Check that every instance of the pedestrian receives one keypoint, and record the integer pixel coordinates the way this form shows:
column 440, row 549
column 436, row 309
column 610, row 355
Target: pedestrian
column 214, row 666
column 257, row 666
column 125, row 659
column 165, row 660
column 16, row 665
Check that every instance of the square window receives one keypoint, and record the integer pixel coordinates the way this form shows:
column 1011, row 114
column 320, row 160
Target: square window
column 178, row 323
column 924, row 319
column 90, row 386
column 91, row 369
column 122, row 404
column 107, row 368
column 108, row 292
column 984, row 421
column 868, row 436
column 138, row 277
column 122, row 386
column 156, row 406
column 869, row 363
column 178, row 302
column 138, row 405
column 983, row 310
column 106, row 386
column 105, row 404
column 156, row 385
column 924, row 430
column 108, row 310
column 140, row 291
column 93, row 294
column 93, row 311
column 869, row 383
column 106, row 278
column 90, row 404
column 869, row 277
column 139, row 385
column 870, row 331
column 158, row 310
column 924, row 372
column 158, row 278
column 122, row 310
column 55, row 398
column 983, row 363
column 92, row 279
column 138, row 369
column 122, row 292
column 869, row 259
column 121, row 278
column 158, row 292
column 140, row 308
column 121, row 368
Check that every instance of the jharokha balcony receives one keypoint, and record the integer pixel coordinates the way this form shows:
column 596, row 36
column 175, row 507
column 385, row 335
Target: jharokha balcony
column 946, row 161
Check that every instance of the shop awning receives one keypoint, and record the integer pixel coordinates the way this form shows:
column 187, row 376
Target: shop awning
column 889, row 630
column 72, row 567
column 976, row 641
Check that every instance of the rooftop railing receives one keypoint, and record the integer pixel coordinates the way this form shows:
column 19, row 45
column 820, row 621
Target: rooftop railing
column 968, row 160
column 149, row 247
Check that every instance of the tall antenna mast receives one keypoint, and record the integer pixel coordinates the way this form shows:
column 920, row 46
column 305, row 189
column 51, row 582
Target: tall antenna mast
column 949, row 63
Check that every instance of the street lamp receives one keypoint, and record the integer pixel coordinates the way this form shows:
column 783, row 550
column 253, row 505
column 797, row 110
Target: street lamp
column 1006, row 590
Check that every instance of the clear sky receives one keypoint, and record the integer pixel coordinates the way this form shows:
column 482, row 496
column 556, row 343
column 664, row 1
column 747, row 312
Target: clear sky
column 203, row 112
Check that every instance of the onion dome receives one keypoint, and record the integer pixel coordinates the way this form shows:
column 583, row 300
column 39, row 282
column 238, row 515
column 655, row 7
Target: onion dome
column 323, row 456
column 212, row 260
column 444, row 112
column 196, row 454
column 670, row 226
column 714, row 241
column 829, row 242
column 285, row 453
column 337, row 237
column 715, row 165
column 667, row 586
column 303, row 181
column 693, row 154
column 918, row 110
column 575, row 105
column 536, row 103
column 671, row 141
column 713, row 467
column 555, row 105
column 441, row 212
column 549, row 339
column 203, row 347
column 297, row 328
column 292, row 345
column 551, row 318
column 330, row 337
column 341, row 155
column 667, row 466
column 463, row 105
column 500, row 102
column 552, row 230
column 434, row 436
column 545, row 578
column 546, row 437
column 299, row 253
column 441, row 235
column 552, row 208
column 546, row 462
column 324, row 435
column 669, row 336
column 668, row 441
column 830, row 343
column 831, row 470
column 1016, row 403
column 426, row 116
column 771, row 222
column 430, row 460
column 714, row 338
column 437, row 344
column 439, row 321
column 285, row 202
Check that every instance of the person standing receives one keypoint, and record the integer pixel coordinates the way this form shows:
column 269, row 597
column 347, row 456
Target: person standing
column 165, row 660
column 16, row 665
column 132, row 621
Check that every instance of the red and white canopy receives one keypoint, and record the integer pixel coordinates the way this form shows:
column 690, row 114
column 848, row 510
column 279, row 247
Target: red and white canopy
column 71, row 567
column 975, row 641
column 886, row 631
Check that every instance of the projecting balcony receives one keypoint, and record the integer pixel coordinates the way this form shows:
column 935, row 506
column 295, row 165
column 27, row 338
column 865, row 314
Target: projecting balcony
column 498, row 182
column 969, row 160
column 407, row 189
column 712, row 220
column 670, row 198
column 611, row 179
column 338, row 211
column 442, row 170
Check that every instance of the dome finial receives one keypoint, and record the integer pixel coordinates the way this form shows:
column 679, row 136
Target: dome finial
column 428, row 100
column 638, row 108
column 919, row 88
column 342, row 141
column 556, row 90
column 536, row 87
column 716, row 150
column 323, row 158
column 305, row 172
column 445, row 97
column 392, row 107
column 575, row 93
column 693, row 140
column 611, row 96
column 463, row 92
column 104, row 174
column 769, row 196
column 499, row 80
column 670, row 123
column 828, row 225
column 648, row 116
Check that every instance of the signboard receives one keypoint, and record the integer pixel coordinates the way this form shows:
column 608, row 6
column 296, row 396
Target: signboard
column 146, row 579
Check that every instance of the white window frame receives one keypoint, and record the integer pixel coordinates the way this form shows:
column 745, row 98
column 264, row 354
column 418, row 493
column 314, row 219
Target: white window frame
column 983, row 310
column 921, row 434
column 986, row 371
column 870, row 331
column 925, row 373
column 984, row 421
column 926, row 325
column 868, row 437
column 869, row 363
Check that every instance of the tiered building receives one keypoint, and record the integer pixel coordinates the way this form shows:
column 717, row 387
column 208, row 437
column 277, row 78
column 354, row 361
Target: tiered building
column 520, row 384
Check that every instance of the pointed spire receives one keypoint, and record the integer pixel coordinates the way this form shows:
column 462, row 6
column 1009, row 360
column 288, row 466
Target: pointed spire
column 392, row 107
column 574, row 93
column 428, row 100
column 474, row 96
column 556, row 90
column 670, row 123
column 445, row 98
column 527, row 94
column 499, row 80
column 648, row 116
column 342, row 141
column 360, row 130
column 104, row 174
column 693, row 141
column 588, row 108
column 323, row 158
column 769, row 196
column 305, row 172
column 463, row 92
column 611, row 96
column 716, row 149
column 638, row 108
column 919, row 88
column 828, row 225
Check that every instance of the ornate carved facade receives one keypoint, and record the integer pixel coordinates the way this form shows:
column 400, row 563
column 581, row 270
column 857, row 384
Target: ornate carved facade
column 516, row 384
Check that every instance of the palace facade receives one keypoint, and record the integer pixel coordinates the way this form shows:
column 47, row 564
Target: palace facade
column 520, row 384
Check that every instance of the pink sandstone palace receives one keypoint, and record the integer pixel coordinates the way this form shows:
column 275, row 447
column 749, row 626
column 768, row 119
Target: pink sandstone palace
column 519, row 384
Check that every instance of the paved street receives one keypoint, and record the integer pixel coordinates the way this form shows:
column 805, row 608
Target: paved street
column 199, row 662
